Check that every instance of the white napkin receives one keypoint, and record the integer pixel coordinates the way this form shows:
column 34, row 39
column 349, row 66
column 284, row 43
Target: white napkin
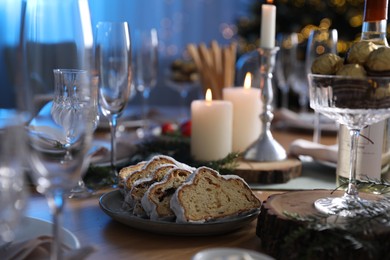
column 39, row 248
column 319, row 152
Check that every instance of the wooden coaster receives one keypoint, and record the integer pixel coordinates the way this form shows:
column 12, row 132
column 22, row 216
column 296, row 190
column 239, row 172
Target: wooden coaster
column 269, row 172
column 273, row 224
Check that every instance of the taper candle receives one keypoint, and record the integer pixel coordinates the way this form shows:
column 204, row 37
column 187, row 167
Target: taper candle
column 268, row 19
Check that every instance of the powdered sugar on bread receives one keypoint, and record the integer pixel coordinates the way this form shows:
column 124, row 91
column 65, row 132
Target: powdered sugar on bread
column 156, row 201
column 207, row 195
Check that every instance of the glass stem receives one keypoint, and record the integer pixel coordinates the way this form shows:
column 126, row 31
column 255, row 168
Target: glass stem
column 317, row 127
column 56, row 203
column 284, row 102
column 183, row 98
column 352, row 189
column 113, row 125
column 145, row 103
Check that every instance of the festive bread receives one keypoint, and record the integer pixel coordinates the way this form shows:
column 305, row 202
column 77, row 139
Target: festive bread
column 133, row 198
column 125, row 172
column 156, row 200
column 207, row 195
column 147, row 169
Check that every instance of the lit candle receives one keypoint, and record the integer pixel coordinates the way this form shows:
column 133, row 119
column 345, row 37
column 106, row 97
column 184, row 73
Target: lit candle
column 211, row 128
column 246, row 113
column 268, row 18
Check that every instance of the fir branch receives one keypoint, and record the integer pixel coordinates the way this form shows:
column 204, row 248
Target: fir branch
column 178, row 147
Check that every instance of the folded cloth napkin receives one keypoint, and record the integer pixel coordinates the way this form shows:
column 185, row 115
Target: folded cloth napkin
column 319, row 152
column 39, row 248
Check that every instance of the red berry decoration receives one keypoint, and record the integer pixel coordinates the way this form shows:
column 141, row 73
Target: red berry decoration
column 185, row 128
column 168, row 128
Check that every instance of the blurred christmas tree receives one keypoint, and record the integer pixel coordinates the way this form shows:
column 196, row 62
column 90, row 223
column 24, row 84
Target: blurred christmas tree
column 302, row 16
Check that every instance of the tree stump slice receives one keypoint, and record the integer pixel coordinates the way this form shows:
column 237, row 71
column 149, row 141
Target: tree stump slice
column 269, row 172
column 273, row 225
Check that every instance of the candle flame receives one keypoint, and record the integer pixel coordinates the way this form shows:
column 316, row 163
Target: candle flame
column 209, row 95
column 270, row 1
column 248, row 80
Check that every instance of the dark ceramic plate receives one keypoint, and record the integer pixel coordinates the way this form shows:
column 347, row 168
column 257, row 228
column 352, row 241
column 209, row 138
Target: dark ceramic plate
column 111, row 204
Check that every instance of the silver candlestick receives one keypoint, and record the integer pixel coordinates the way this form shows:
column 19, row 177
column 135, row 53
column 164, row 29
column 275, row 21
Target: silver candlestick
column 266, row 148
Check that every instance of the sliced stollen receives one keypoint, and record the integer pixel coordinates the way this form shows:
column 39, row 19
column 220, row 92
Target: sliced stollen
column 125, row 172
column 147, row 170
column 207, row 195
column 156, row 200
column 140, row 186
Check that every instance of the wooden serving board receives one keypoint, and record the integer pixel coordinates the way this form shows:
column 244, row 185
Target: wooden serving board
column 269, row 172
column 273, row 225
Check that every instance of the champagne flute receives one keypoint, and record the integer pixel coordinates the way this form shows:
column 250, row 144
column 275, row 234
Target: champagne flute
column 320, row 41
column 113, row 57
column 145, row 66
column 355, row 103
column 59, row 139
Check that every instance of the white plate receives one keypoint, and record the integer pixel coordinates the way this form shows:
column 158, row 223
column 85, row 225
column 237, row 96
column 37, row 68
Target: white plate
column 111, row 204
column 230, row 254
column 34, row 227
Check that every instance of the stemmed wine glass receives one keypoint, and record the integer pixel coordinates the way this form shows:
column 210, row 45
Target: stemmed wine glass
column 145, row 65
column 113, row 58
column 66, row 80
column 297, row 76
column 283, row 65
column 355, row 103
column 320, row 41
column 58, row 141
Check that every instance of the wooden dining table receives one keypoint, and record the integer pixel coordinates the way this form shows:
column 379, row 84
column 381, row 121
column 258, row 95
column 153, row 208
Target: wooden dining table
column 114, row 240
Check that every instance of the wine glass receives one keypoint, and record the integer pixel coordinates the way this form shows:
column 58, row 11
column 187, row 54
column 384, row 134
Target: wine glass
column 68, row 81
column 283, row 65
column 297, row 76
column 145, row 66
column 58, row 140
column 12, row 185
column 355, row 103
column 320, row 41
column 182, row 76
column 113, row 58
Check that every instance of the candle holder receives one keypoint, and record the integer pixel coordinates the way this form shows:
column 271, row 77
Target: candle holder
column 266, row 148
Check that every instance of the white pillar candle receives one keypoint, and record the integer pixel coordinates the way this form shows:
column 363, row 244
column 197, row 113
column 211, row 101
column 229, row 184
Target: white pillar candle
column 246, row 114
column 211, row 128
column 268, row 19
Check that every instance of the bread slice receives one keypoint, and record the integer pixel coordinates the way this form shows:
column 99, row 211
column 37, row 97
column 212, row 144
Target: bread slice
column 141, row 186
column 147, row 169
column 156, row 201
column 125, row 172
column 207, row 195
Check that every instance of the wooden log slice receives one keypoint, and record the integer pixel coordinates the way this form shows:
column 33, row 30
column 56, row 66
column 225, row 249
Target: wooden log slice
column 269, row 172
column 274, row 225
